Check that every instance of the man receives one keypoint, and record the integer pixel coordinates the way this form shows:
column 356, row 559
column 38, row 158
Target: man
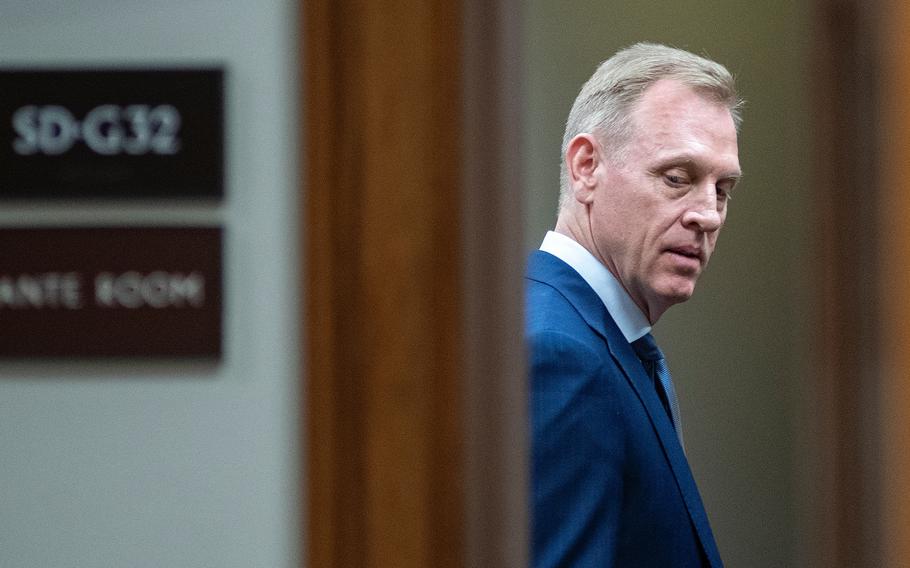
column 650, row 159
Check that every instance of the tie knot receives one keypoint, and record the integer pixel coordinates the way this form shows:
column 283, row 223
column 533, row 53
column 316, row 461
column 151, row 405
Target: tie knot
column 646, row 348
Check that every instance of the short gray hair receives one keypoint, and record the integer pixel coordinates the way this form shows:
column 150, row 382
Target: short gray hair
column 605, row 103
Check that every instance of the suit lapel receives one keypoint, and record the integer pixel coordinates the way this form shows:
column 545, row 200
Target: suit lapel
column 550, row 270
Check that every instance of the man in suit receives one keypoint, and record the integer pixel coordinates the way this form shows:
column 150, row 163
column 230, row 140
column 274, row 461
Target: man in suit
column 650, row 159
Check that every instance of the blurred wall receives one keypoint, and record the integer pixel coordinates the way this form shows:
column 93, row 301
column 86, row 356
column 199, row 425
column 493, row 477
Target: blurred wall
column 738, row 349
column 172, row 464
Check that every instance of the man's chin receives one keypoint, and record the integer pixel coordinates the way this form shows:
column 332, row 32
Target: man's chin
column 677, row 292
column 664, row 298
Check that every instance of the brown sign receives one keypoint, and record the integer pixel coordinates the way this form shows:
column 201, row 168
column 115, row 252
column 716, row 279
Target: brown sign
column 110, row 292
column 111, row 133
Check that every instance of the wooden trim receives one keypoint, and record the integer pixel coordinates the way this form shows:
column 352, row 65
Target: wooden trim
column 383, row 295
column 841, row 406
column 894, row 285
column 496, row 410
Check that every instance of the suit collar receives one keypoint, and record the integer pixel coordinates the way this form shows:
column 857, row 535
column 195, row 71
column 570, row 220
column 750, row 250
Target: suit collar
column 546, row 268
column 628, row 316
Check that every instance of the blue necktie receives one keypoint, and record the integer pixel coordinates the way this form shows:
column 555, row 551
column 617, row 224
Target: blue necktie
column 656, row 366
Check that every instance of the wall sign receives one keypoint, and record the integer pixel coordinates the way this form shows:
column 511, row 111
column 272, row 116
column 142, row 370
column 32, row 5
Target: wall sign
column 110, row 292
column 114, row 134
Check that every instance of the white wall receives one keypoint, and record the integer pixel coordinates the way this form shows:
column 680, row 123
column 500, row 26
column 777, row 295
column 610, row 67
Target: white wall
column 170, row 464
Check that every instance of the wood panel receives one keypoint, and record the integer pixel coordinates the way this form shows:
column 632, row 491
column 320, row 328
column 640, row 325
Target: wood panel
column 384, row 306
column 841, row 407
column 894, row 224
column 497, row 441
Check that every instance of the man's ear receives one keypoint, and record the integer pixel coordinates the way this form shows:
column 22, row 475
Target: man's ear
column 583, row 160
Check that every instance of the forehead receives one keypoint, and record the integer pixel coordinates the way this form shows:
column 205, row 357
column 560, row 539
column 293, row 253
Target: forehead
column 672, row 118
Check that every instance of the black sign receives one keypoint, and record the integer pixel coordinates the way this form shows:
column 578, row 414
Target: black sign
column 112, row 134
column 110, row 292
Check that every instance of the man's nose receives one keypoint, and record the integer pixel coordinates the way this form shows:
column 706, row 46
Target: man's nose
column 703, row 213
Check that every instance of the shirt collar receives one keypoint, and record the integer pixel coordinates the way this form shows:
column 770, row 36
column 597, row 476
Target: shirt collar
column 629, row 318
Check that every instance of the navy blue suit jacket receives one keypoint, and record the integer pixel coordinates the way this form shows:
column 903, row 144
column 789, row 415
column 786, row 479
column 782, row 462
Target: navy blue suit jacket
column 611, row 484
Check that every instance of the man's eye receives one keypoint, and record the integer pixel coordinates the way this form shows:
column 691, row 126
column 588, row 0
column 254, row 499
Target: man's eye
column 675, row 180
column 724, row 193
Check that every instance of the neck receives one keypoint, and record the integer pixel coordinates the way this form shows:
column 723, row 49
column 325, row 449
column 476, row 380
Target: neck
column 572, row 225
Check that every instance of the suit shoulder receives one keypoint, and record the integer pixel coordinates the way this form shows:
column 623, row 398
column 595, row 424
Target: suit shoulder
column 546, row 308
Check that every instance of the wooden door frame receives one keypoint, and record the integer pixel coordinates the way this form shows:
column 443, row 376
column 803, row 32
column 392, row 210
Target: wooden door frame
column 859, row 400
column 841, row 478
column 893, row 222
column 415, row 413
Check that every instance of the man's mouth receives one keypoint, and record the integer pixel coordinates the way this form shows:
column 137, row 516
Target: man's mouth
column 694, row 253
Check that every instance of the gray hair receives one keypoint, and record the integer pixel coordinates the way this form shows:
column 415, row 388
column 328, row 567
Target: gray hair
column 606, row 101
